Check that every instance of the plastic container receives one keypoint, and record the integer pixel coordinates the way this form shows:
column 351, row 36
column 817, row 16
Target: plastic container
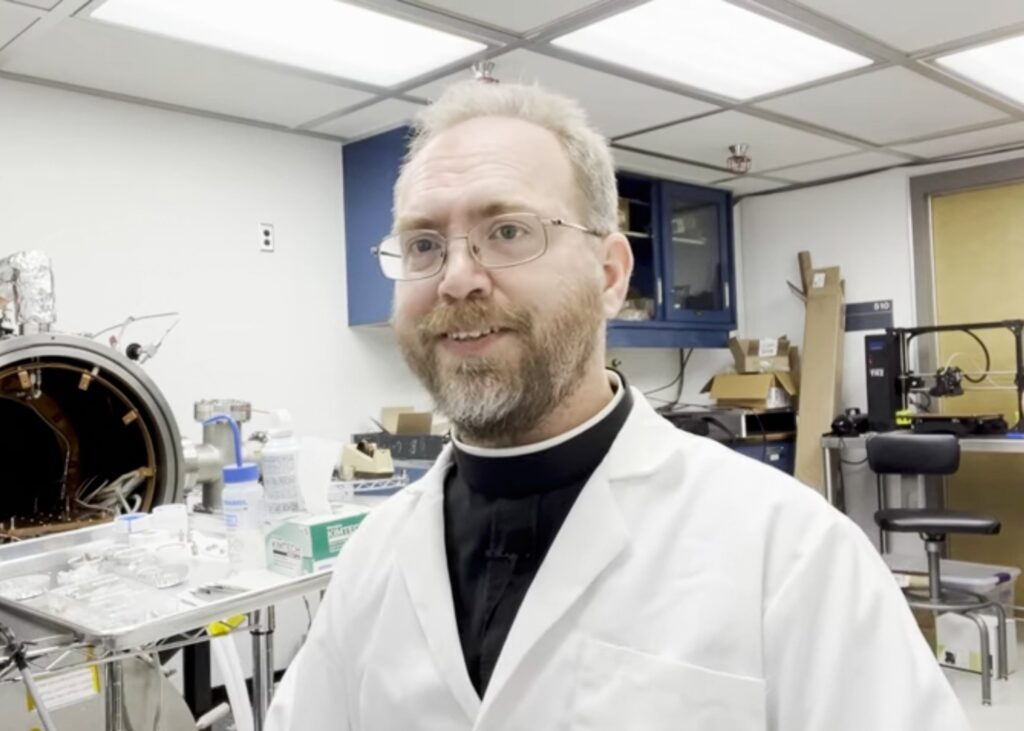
column 280, row 464
column 173, row 520
column 989, row 580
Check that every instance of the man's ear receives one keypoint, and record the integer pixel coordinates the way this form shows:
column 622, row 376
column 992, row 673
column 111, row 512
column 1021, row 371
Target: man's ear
column 617, row 267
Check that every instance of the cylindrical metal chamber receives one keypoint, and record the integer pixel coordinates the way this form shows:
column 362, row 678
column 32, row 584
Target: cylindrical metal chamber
column 81, row 428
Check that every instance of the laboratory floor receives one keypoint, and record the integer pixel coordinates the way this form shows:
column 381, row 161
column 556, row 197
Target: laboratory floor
column 1007, row 710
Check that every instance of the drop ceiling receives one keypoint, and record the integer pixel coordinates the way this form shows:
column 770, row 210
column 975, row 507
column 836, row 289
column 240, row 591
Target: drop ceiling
column 902, row 108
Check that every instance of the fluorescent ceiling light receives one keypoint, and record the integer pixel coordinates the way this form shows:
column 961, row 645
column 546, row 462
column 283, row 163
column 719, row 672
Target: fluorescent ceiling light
column 711, row 45
column 321, row 35
column 996, row 66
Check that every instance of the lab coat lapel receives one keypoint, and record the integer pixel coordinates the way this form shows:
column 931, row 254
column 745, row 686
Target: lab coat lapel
column 591, row 537
column 424, row 568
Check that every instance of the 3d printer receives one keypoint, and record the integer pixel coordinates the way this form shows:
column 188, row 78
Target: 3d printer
column 892, row 384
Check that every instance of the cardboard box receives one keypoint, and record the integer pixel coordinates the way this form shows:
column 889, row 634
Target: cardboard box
column 755, row 391
column 821, row 372
column 408, row 434
column 763, row 355
column 310, row 543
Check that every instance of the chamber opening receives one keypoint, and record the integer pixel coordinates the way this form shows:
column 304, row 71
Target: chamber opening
column 77, row 447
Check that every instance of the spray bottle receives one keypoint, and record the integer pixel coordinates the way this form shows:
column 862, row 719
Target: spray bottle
column 243, row 507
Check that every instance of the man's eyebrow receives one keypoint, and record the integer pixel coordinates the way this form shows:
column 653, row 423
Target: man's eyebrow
column 486, row 210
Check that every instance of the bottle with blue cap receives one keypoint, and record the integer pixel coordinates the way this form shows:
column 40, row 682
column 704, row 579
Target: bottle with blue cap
column 244, row 508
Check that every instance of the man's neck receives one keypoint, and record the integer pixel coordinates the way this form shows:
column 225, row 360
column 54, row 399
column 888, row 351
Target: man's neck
column 592, row 395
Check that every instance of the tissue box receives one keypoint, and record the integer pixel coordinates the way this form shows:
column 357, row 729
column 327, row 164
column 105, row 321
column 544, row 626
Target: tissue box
column 310, row 543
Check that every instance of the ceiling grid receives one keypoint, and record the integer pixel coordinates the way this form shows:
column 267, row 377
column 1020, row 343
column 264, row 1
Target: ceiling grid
column 901, row 108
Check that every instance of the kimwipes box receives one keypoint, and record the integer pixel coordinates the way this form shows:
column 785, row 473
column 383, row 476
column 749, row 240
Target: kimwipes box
column 309, row 543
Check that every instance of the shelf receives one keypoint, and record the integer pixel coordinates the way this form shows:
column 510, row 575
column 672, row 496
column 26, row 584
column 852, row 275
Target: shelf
column 635, row 235
column 635, row 201
column 692, row 242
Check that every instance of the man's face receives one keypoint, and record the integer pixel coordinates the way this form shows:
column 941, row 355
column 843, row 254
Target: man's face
column 499, row 349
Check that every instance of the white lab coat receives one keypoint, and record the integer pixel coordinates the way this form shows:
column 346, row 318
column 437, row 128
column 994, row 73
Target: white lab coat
column 689, row 588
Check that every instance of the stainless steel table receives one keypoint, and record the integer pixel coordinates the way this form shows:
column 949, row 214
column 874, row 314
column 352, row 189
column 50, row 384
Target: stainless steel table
column 833, row 446
column 64, row 644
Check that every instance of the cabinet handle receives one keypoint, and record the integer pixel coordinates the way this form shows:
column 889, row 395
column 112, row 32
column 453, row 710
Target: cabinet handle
column 659, row 291
column 727, row 295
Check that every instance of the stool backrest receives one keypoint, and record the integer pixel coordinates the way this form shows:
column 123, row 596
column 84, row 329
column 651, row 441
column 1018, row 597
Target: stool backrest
column 904, row 453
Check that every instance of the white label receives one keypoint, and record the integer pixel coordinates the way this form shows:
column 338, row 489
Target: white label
column 68, row 688
column 819, row 280
column 767, row 348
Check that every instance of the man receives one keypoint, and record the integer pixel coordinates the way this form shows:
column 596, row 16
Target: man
column 572, row 561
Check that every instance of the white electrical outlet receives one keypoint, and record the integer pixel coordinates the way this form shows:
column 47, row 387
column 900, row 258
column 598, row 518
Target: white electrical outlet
column 266, row 237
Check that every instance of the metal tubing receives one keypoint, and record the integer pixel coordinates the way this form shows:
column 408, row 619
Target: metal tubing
column 934, row 549
column 986, row 660
column 262, row 631
column 114, row 697
column 830, row 494
column 883, row 535
column 1001, row 638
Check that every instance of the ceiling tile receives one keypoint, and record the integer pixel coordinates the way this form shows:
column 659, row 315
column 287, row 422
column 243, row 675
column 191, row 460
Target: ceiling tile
column 981, row 139
column 885, row 106
column 615, row 105
column 378, row 117
column 41, row 4
column 108, row 58
column 749, row 184
column 518, row 17
column 707, row 140
column 13, row 20
column 636, row 162
column 839, row 166
column 912, row 25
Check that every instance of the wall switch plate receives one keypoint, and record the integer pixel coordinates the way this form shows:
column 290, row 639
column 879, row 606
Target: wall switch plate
column 267, row 237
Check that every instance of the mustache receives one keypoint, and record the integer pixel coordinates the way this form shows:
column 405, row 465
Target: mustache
column 473, row 315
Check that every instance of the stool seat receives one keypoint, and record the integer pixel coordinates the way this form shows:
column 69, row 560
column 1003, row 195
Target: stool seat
column 935, row 522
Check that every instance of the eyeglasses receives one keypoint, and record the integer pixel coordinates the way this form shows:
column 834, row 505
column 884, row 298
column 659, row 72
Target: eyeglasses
column 495, row 243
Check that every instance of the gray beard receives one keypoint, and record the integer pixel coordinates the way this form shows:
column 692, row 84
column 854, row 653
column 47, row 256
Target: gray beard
column 495, row 403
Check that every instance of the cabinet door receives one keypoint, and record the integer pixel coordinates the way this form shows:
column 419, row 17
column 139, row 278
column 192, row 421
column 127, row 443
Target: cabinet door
column 696, row 244
column 369, row 169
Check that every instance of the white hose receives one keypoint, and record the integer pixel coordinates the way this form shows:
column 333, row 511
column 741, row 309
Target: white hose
column 212, row 716
column 225, row 653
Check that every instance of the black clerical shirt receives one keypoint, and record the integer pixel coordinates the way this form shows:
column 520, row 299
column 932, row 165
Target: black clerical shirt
column 501, row 515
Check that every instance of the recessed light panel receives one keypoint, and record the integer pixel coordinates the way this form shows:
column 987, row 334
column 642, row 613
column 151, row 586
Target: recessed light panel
column 712, row 45
column 326, row 36
column 996, row 66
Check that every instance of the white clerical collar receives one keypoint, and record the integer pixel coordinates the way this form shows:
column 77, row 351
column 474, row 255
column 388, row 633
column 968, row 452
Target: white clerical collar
column 617, row 386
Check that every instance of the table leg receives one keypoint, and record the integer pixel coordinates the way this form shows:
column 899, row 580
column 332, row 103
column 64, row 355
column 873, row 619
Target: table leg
column 196, row 680
column 262, row 630
column 114, row 696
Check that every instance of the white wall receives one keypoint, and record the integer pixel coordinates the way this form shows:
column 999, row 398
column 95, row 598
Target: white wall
column 146, row 211
column 861, row 225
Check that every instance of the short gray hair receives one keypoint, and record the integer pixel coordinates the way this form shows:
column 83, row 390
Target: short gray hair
column 587, row 150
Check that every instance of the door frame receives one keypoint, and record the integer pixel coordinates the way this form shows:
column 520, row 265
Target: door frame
column 922, row 189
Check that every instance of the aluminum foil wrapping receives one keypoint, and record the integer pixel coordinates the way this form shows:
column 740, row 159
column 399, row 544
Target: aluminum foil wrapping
column 26, row 281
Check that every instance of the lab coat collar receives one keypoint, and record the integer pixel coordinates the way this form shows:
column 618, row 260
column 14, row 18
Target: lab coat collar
column 593, row 535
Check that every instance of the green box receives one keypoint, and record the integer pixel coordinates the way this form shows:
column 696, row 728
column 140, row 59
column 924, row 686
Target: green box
column 310, row 543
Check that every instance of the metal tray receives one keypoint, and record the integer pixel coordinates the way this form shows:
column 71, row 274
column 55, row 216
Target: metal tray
column 49, row 553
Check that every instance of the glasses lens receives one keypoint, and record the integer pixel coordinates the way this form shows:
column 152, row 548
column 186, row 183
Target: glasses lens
column 411, row 255
column 508, row 240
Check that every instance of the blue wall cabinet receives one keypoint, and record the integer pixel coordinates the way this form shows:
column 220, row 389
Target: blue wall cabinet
column 682, row 242
column 369, row 171
column 681, row 236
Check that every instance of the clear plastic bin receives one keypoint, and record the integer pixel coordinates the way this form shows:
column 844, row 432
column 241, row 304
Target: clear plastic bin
column 994, row 582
